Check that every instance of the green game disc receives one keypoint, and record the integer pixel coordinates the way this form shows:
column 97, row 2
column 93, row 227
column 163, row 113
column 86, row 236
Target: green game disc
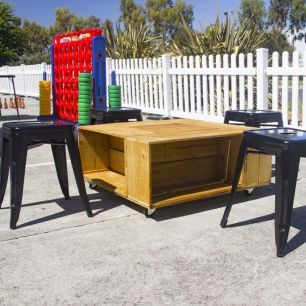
column 83, row 107
column 84, row 121
column 81, row 115
column 84, row 101
column 113, row 87
column 83, row 84
column 85, row 88
column 84, row 76
column 84, row 116
column 114, row 90
column 117, row 105
column 84, row 110
column 115, row 100
column 114, row 95
column 85, row 97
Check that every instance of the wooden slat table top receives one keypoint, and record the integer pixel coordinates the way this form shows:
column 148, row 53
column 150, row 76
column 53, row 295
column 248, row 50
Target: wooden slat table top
column 167, row 130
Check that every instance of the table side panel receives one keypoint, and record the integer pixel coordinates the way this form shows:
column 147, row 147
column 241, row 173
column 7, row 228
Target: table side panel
column 257, row 168
column 138, row 172
column 188, row 164
column 94, row 151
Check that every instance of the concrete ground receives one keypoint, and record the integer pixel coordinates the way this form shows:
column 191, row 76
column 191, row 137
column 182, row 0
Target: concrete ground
column 59, row 256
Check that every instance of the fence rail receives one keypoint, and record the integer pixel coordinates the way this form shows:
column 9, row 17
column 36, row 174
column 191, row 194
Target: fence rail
column 27, row 79
column 200, row 87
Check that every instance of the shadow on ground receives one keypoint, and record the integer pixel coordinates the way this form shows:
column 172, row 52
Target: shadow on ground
column 104, row 200
column 15, row 118
column 181, row 210
column 70, row 207
column 297, row 221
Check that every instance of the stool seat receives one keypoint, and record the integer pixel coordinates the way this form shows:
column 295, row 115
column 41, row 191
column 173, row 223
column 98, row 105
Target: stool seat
column 16, row 138
column 279, row 136
column 112, row 115
column 254, row 117
column 288, row 145
column 37, row 131
column 32, row 125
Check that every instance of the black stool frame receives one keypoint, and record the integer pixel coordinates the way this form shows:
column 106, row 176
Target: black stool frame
column 17, row 136
column 112, row 115
column 255, row 118
column 288, row 145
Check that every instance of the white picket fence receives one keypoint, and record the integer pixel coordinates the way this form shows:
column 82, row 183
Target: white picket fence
column 26, row 80
column 204, row 87
column 199, row 87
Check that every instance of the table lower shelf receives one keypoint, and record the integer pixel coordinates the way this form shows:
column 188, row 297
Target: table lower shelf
column 109, row 180
column 191, row 194
column 117, row 183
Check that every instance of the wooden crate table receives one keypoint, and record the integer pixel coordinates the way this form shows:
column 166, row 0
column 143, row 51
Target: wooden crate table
column 160, row 163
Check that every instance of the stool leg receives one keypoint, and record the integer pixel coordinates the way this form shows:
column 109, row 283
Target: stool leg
column 59, row 155
column 18, row 162
column 4, row 167
column 287, row 165
column 257, row 123
column 226, row 118
column 239, row 165
column 139, row 117
column 280, row 121
column 78, row 173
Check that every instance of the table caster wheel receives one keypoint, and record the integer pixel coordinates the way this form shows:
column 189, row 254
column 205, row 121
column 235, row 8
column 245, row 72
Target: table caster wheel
column 248, row 192
column 149, row 212
column 93, row 186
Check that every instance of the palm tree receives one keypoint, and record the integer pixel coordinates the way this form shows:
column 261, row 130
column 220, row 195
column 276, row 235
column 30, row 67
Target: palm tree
column 219, row 38
column 132, row 42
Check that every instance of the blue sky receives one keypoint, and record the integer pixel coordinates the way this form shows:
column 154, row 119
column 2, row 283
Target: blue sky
column 43, row 12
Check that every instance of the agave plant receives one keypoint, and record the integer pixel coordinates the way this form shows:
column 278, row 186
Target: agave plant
column 219, row 38
column 132, row 42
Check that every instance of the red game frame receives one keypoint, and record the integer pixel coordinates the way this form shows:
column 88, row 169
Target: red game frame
column 72, row 54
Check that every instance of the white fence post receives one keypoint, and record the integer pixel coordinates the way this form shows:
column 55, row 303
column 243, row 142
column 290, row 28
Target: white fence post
column 43, row 67
column 275, row 61
column 304, row 93
column 108, row 72
column 284, row 108
column 295, row 91
column 8, row 80
column 167, row 85
column 262, row 78
column 23, row 80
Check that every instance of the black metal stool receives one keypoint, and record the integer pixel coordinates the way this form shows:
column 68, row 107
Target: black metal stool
column 256, row 118
column 288, row 145
column 17, row 136
column 111, row 115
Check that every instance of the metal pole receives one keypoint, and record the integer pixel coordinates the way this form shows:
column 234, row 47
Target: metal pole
column 16, row 103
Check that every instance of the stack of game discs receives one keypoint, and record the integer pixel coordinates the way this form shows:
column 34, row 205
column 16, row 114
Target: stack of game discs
column 114, row 96
column 85, row 96
column 45, row 98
